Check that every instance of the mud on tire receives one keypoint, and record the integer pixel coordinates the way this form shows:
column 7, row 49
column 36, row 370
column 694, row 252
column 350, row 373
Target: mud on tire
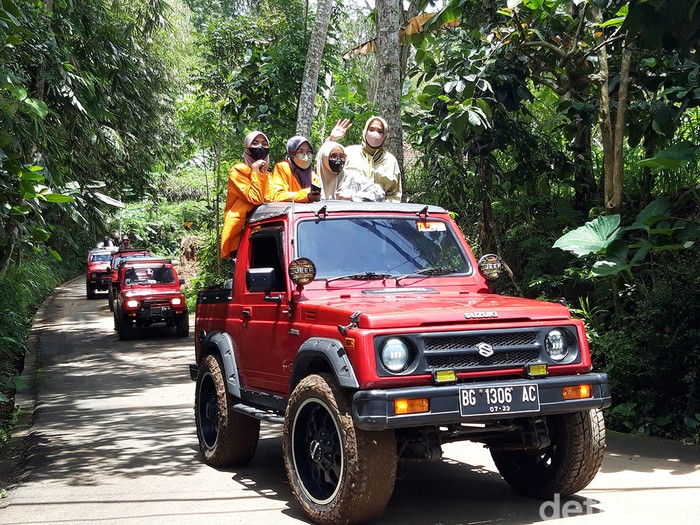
column 568, row 465
column 226, row 437
column 338, row 473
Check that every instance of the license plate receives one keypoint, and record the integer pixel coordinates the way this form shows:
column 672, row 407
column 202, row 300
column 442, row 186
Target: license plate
column 160, row 310
column 510, row 399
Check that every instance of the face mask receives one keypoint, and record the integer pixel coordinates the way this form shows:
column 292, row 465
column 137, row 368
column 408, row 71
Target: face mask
column 374, row 138
column 258, row 152
column 336, row 165
column 303, row 160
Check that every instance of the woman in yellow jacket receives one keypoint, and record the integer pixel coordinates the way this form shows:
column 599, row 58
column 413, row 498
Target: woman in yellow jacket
column 293, row 179
column 247, row 187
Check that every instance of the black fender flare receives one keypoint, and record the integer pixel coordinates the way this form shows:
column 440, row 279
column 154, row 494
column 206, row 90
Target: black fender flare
column 225, row 348
column 332, row 352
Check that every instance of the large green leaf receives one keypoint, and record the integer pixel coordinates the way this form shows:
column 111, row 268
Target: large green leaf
column 655, row 211
column 592, row 237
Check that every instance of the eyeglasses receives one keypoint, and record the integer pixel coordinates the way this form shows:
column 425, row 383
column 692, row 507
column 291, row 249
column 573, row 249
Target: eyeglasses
column 337, row 156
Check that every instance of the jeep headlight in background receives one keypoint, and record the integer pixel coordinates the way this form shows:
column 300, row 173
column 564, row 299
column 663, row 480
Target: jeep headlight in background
column 395, row 354
column 176, row 301
column 557, row 344
column 132, row 303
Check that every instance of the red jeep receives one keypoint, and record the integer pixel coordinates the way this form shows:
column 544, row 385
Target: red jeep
column 117, row 258
column 368, row 330
column 149, row 292
column 97, row 274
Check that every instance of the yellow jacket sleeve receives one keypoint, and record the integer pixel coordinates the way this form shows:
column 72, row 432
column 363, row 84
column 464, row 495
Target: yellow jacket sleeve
column 284, row 186
column 246, row 190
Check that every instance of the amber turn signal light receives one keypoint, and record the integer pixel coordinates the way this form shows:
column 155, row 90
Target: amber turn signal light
column 411, row 406
column 577, row 392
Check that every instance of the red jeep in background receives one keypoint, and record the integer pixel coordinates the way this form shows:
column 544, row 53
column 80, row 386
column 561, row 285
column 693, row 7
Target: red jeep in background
column 97, row 273
column 117, row 258
column 368, row 330
column 149, row 292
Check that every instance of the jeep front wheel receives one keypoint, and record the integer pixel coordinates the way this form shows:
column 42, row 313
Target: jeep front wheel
column 126, row 328
column 226, row 437
column 338, row 473
column 182, row 325
column 567, row 465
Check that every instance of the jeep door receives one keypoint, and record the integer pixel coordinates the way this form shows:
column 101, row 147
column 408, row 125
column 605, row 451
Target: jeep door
column 267, row 344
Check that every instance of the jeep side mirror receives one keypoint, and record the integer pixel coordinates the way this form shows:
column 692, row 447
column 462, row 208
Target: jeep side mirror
column 260, row 279
column 182, row 281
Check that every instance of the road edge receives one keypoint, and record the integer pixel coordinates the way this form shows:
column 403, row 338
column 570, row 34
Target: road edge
column 14, row 452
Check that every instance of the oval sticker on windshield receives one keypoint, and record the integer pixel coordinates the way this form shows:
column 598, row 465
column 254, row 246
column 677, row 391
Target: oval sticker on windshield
column 431, row 226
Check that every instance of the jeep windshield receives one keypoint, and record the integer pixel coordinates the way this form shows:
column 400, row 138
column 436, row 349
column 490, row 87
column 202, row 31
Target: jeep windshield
column 380, row 247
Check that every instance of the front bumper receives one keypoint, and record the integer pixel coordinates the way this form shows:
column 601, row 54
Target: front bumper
column 374, row 409
column 101, row 283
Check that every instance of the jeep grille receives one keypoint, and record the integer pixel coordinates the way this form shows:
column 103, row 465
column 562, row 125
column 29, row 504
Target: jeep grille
column 460, row 352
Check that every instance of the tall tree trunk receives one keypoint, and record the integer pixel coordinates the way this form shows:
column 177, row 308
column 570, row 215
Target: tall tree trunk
column 485, row 174
column 585, row 186
column 388, row 73
column 309, row 84
column 612, row 128
column 40, row 80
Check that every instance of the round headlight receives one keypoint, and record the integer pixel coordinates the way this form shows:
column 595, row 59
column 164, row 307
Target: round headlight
column 176, row 301
column 557, row 345
column 132, row 303
column 395, row 354
column 93, row 275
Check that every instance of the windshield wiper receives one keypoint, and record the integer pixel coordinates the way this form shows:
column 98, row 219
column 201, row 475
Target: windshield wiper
column 361, row 276
column 433, row 270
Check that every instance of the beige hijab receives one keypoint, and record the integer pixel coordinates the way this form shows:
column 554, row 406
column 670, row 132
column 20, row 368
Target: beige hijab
column 329, row 179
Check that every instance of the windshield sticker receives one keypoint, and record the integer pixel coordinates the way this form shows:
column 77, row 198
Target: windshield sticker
column 431, row 226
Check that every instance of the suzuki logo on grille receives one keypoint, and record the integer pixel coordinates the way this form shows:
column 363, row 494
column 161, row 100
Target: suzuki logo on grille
column 485, row 349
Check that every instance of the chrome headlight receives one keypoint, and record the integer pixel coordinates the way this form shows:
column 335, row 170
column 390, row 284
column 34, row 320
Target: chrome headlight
column 557, row 344
column 395, row 354
column 132, row 303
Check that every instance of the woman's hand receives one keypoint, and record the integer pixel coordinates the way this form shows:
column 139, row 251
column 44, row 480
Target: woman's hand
column 339, row 130
column 259, row 165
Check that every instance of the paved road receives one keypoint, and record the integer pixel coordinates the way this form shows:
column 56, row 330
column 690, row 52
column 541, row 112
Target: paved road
column 113, row 442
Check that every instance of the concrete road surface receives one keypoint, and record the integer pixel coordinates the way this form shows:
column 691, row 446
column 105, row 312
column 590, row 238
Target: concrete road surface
column 112, row 441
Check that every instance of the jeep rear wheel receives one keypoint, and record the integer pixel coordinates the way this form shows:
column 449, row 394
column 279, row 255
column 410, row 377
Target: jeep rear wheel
column 226, row 437
column 569, row 464
column 338, row 473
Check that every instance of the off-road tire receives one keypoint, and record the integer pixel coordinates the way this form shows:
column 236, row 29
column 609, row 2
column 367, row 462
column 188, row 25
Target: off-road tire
column 182, row 325
column 568, row 465
column 90, row 292
column 110, row 298
column 126, row 328
column 226, row 437
column 338, row 473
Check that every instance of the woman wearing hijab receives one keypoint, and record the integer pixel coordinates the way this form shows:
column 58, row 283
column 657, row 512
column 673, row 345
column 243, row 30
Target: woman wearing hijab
column 247, row 187
column 336, row 184
column 293, row 179
column 371, row 159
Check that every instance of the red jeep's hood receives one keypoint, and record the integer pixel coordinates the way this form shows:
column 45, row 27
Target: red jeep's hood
column 101, row 266
column 143, row 293
column 407, row 309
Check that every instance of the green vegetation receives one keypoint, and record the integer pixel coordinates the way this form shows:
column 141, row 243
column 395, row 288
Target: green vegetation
column 23, row 288
column 563, row 136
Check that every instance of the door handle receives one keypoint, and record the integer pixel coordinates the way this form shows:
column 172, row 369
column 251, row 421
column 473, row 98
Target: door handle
column 246, row 313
